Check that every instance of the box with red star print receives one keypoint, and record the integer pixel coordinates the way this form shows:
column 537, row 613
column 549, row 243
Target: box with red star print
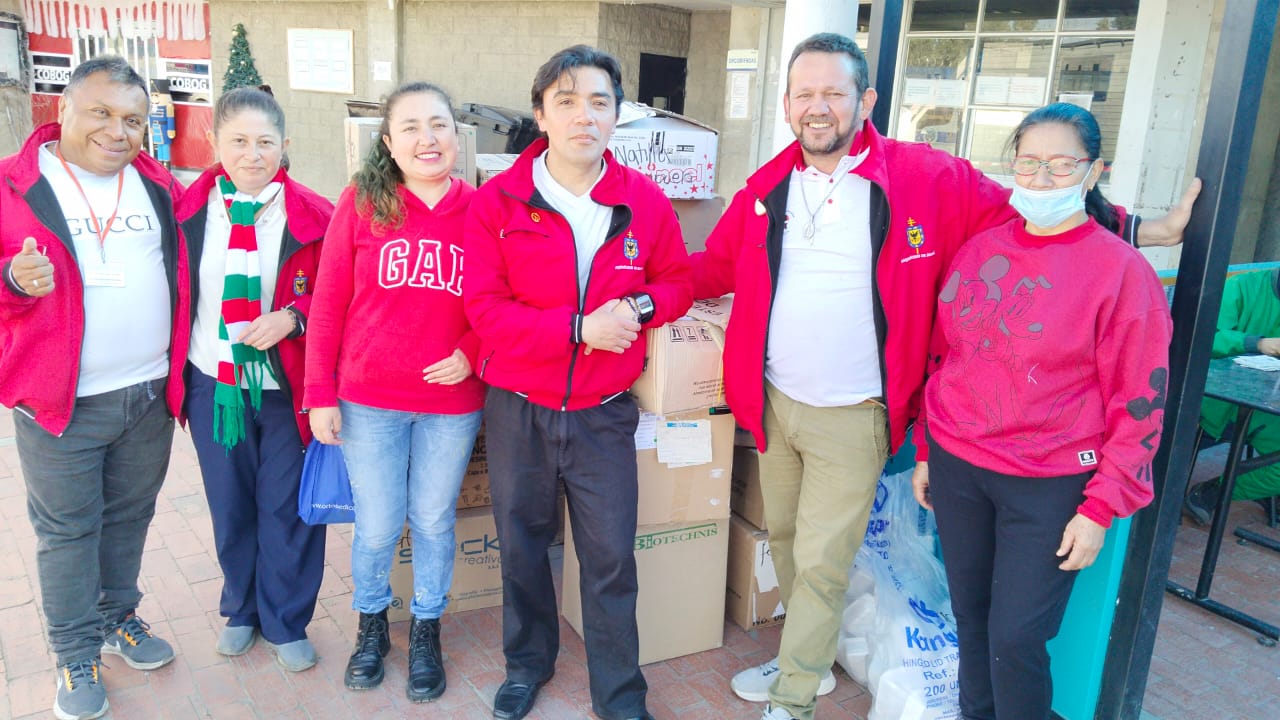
column 676, row 152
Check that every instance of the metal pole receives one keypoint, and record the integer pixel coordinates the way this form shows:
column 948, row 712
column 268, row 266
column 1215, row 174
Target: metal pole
column 885, row 32
column 1238, row 72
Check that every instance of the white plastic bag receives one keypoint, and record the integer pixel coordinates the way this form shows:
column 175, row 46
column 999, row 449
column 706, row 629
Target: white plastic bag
column 912, row 659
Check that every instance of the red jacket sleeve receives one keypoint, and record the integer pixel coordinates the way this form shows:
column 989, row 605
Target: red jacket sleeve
column 988, row 201
column 715, row 268
column 667, row 274
column 327, row 316
column 12, row 304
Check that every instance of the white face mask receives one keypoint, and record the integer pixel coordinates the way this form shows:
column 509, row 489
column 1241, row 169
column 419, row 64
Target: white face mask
column 1048, row 208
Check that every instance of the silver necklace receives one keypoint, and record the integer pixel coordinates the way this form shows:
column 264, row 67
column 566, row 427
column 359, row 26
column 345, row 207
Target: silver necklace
column 809, row 229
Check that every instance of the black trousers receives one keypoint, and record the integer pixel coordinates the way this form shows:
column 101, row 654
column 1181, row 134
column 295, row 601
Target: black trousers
column 531, row 448
column 999, row 535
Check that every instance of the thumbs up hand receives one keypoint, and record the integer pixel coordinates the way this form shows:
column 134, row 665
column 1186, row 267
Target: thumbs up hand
column 31, row 270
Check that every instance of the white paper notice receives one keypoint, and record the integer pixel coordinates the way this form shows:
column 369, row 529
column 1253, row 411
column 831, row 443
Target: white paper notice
column 1258, row 362
column 918, row 91
column 949, row 93
column 1084, row 100
column 647, row 431
column 1026, row 91
column 739, row 94
column 991, row 90
column 684, row 442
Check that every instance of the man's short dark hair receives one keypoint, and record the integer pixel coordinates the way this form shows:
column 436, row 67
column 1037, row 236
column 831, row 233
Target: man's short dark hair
column 834, row 43
column 117, row 68
column 572, row 58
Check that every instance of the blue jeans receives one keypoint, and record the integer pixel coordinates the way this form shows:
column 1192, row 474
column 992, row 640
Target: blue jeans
column 404, row 464
column 91, row 493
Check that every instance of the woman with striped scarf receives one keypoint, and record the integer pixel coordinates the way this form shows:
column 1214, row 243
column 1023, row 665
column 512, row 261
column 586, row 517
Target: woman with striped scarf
column 254, row 236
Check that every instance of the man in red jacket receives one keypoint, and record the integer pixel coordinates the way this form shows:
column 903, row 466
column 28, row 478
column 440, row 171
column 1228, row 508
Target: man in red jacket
column 94, row 333
column 835, row 251
column 570, row 256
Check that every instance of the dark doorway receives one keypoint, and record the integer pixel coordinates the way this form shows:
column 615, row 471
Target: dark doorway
column 662, row 81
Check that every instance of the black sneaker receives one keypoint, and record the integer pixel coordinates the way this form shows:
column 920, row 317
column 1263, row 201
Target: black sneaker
column 1201, row 502
column 131, row 639
column 373, row 642
column 80, row 692
column 426, row 662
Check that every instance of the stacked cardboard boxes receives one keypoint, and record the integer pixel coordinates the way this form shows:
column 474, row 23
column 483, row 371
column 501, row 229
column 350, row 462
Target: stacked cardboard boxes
column 684, row 456
column 754, row 598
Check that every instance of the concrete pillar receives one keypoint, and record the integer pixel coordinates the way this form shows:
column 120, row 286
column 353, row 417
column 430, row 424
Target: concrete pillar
column 740, row 127
column 384, row 24
column 1169, row 74
column 802, row 19
column 1258, row 235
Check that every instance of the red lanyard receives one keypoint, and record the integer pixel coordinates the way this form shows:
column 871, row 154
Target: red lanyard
column 100, row 230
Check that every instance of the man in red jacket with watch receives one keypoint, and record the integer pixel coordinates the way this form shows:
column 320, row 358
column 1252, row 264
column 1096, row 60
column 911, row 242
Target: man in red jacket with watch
column 835, row 251
column 570, row 256
column 94, row 324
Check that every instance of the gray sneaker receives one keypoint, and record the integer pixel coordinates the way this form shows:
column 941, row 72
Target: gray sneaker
column 131, row 639
column 80, row 692
column 294, row 656
column 236, row 640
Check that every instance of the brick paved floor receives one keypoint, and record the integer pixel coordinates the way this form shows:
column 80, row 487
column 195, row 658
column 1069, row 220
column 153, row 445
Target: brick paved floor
column 1203, row 667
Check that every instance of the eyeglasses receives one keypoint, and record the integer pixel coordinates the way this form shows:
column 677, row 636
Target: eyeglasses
column 1058, row 165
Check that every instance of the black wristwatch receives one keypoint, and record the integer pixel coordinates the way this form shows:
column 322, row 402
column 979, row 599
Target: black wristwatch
column 642, row 303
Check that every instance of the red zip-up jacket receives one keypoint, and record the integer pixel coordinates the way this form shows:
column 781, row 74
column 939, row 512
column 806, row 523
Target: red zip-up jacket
column 924, row 204
column 521, row 292
column 306, row 218
column 41, row 338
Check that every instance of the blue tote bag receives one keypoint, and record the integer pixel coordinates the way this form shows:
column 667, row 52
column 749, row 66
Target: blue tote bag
column 324, row 496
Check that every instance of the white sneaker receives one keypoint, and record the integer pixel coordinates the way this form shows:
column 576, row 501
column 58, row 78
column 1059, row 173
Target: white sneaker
column 753, row 684
column 773, row 713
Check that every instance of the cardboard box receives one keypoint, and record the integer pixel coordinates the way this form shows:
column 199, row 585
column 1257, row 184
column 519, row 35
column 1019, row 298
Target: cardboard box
column 753, row 598
column 361, row 133
column 677, row 152
column 682, row 369
column 684, row 467
column 681, row 573
column 697, row 219
column 746, row 498
column 464, row 166
column 488, row 165
column 475, row 484
column 477, row 567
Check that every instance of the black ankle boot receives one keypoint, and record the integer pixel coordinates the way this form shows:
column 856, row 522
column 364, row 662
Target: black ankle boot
column 1201, row 502
column 426, row 665
column 364, row 669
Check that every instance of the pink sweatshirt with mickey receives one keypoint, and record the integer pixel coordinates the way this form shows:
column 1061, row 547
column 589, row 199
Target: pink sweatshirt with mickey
column 1056, row 364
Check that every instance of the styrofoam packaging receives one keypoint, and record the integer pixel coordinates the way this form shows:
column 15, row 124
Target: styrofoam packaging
column 851, row 654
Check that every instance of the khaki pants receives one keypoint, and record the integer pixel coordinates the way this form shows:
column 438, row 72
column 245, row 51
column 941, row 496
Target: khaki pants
column 818, row 479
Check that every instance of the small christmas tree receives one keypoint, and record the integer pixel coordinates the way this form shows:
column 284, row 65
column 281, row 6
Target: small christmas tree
column 240, row 68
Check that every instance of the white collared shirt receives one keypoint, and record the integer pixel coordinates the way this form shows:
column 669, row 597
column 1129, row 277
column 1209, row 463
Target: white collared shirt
column 588, row 219
column 127, row 328
column 822, row 348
